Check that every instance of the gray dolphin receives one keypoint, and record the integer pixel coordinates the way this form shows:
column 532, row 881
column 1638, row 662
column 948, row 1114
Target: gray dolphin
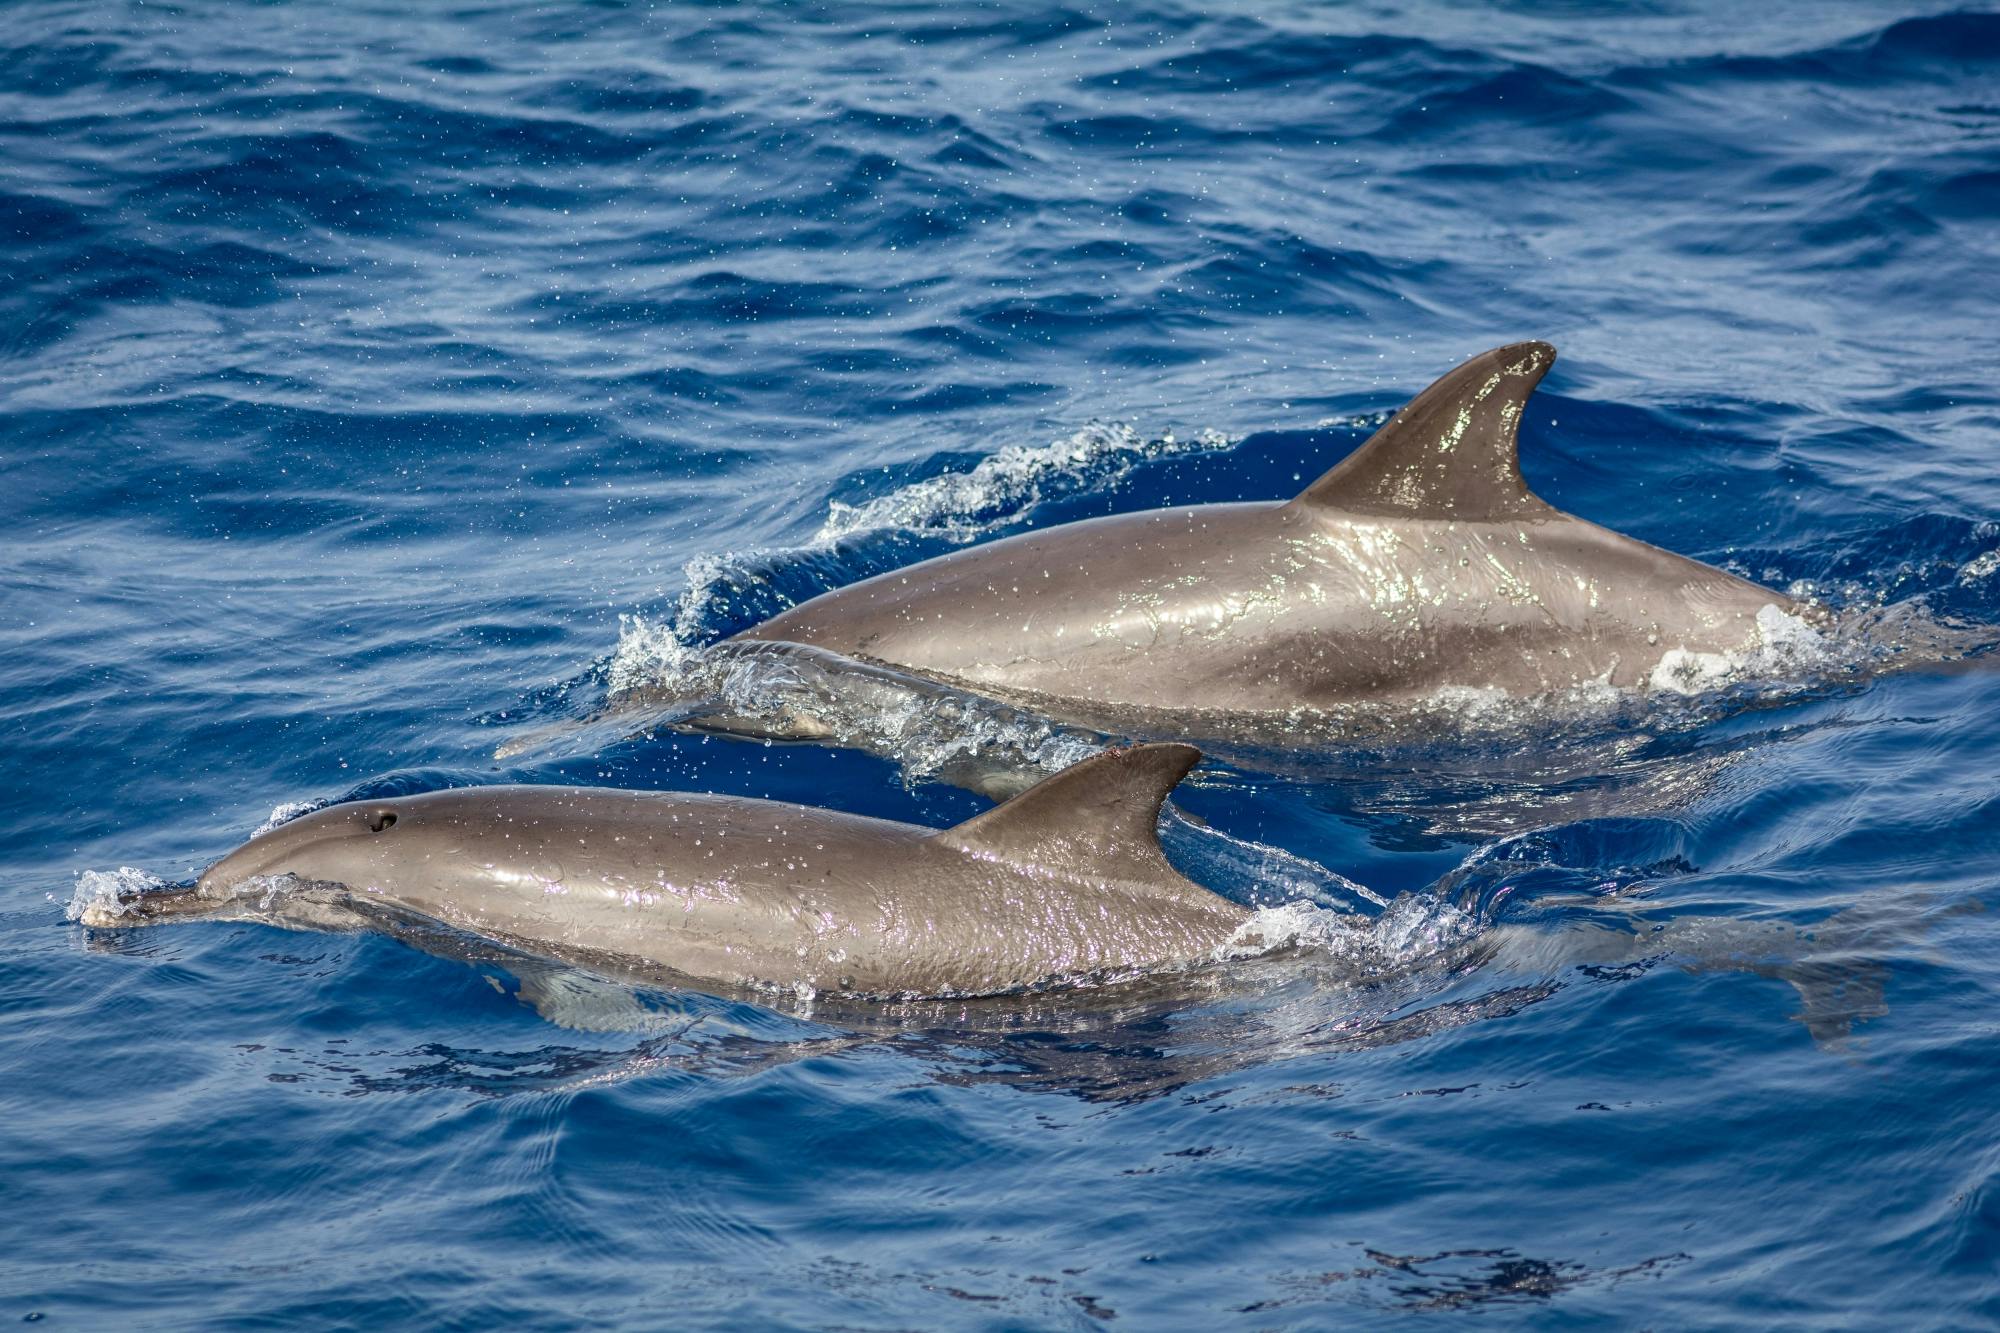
column 1421, row 563
column 1065, row 881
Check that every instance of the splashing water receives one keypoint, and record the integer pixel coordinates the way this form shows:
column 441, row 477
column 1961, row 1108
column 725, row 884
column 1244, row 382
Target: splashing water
column 1412, row 931
column 104, row 896
column 964, row 506
column 1979, row 569
column 285, row 812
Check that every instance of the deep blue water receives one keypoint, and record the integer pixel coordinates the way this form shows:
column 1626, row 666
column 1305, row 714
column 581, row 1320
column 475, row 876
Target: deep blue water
column 376, row 380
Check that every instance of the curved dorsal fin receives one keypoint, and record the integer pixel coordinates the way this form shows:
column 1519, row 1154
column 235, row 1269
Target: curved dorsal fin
column 1451, row 452
column 1102, row 814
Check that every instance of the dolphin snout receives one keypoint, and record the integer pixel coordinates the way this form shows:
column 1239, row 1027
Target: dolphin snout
column 146, row 908
column 325, row 848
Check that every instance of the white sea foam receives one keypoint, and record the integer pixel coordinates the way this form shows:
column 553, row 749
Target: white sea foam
column 285, row 813
column 104, row 896
column 651, row 654
column 1287, row 926
column 1979, row 568
column 1782, row 643
column 1414, row 929
column 1680, row 671
column 964, row 506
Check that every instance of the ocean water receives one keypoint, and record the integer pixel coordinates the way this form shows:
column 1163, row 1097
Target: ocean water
column 389, row 395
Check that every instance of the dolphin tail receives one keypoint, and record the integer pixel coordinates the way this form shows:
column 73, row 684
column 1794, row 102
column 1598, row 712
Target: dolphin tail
column 1452, row 452
column 1103, row 812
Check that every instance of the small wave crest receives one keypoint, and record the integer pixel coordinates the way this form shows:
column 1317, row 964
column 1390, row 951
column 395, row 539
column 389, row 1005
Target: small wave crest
column 1269, row 876
column 285, row 812
column 964, row 506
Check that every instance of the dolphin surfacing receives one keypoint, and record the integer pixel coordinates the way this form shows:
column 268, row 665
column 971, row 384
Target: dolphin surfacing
column 1420, row 563
column 1065, row 881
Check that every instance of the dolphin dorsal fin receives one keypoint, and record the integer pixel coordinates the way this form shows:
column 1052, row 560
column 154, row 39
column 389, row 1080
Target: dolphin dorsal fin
column 1452, row 451
column 1102, row 813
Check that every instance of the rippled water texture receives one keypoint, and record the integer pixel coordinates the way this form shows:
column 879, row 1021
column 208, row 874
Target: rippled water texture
column 386, row 392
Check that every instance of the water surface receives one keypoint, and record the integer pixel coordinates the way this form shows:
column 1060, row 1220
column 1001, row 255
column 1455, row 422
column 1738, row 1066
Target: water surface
column 381, row 385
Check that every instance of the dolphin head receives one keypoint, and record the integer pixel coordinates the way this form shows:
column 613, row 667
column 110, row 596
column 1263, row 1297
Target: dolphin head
column 348, row 844
column 330, row 851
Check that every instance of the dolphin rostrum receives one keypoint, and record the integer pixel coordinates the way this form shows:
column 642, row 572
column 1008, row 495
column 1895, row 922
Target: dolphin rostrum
column 1065, row 881
column 1420, row 564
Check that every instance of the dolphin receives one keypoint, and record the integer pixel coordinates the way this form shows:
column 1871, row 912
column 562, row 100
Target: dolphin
column 1418, row 565
column 1064, row 882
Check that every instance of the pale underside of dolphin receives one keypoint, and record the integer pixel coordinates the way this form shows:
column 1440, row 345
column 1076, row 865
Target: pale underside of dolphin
column 1064, row 882
column 1420, row 563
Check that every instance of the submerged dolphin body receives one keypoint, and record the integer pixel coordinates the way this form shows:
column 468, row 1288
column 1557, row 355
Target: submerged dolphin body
column 1066, row 880
column 1420, row 563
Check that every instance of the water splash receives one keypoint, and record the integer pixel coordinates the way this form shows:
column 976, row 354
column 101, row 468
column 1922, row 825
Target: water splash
column 285, row 812
column 104, row 897
column 964, row 506
column 1979, row 568
column 1414, row 930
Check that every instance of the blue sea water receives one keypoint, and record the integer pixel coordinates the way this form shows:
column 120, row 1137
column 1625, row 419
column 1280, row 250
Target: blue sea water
column 385, row 388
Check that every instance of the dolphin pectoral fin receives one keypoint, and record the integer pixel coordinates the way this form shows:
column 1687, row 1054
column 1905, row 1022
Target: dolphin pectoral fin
column 1105, row 809
column 573, row 999
column 1452, row 451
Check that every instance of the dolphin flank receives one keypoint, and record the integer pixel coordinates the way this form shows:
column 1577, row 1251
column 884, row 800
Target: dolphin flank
column 1066, row 880
column 1421, row 562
